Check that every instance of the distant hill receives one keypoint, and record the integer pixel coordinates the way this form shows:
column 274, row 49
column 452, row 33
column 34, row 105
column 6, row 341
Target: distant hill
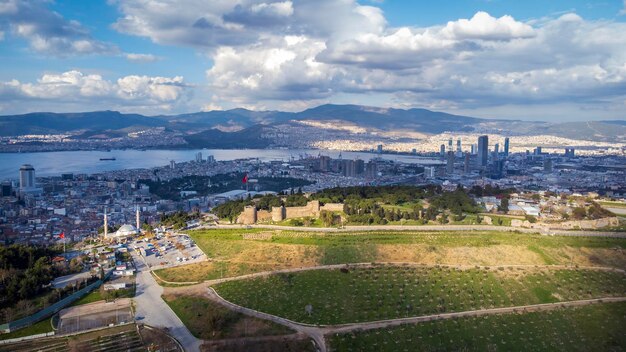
column 217, row 124
column 216, row 139
column 47, row 122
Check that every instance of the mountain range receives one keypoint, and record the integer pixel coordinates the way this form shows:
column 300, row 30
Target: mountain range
column 219, row 125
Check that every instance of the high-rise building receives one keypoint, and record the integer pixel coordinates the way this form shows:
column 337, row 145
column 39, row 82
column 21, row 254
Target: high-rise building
column 210, row 159
column 506, row 146
column 466, row 164
column 429, row 172
column 538, row 151
column 483, row 150
column 496, row 148
column 442, row 150
column 473, row 149
column 7, row 189
column 199, row 157
column 348, row 168
column 450, row 163
column 569, row 152
column 172, row 164
column 458, row 145
column 379, row 149
column 547, row 165
column 450, row 145
column 359, row 167
column 371, row 170
column 27, row 177
column 324, row 163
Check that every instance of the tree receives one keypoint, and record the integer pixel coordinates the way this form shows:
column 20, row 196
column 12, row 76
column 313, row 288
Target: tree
column 531, row 219
column 504, row 205
column 579, row 213
column 327, row 218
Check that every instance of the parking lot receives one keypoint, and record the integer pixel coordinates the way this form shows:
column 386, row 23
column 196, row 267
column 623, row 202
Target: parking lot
column 167, row 251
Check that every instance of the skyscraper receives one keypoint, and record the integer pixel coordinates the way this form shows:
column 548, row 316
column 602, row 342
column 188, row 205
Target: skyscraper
column 199, row 157
column 473, row 149
column 450, row 163
column 466, row 165
column 458, row 145
column 442, row 150
column 27, row 177
column 483, row 150
column 496, row 148
column 506, row 146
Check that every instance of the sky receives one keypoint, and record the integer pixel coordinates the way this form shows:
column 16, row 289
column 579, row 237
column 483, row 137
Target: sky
column 552, row 60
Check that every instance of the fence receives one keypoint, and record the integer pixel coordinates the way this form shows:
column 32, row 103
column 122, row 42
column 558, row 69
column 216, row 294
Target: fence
column 52, row 309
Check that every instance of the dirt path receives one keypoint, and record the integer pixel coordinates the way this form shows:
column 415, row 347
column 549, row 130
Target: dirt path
column 428, row 228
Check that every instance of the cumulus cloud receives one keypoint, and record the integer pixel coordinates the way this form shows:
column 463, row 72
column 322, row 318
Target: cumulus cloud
column 74, row 87
column 141, row 57
column 293, row 53
column 483, row 26
column 48, row 32
column 211, row 24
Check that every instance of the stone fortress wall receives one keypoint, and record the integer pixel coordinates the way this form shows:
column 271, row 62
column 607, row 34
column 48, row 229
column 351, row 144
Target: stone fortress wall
column 251, row 215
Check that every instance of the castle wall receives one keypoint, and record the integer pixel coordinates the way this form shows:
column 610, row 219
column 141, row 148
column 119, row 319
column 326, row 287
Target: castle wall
column 248, row 216
column 312, row 208
column 332, row 207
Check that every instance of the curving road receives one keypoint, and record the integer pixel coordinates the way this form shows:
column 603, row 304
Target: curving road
column 317, row 333
column 152, row 310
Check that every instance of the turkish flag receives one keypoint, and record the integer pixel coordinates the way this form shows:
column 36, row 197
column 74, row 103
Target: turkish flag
column 62, row 235
column 245, row 179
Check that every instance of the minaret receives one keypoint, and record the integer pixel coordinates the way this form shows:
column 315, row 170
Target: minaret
column 137, row 219
column 106, row 224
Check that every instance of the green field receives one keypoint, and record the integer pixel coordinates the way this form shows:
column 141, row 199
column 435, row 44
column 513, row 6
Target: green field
column 210, row 321
column 388, row 292
column 37, row 328
column 591, row 328
column 232, row 255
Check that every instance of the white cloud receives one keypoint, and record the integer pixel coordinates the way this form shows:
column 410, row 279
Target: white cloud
column 623, row 11
column 75, row 87
column 483, row 26
column 48, row 32
column 141, row 57
column 1, row 35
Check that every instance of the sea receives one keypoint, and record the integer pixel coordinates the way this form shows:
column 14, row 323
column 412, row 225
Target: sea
column 88, row 162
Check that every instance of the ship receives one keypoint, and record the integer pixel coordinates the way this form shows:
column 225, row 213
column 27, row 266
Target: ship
column 104, row 159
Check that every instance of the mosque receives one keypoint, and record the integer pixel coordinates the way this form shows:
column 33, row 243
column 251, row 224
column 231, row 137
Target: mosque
column 125, row 231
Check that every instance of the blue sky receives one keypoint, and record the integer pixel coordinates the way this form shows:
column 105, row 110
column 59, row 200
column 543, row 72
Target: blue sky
column 540, row 60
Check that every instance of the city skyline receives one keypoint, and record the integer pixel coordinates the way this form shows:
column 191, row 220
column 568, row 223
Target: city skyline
column 495, row 59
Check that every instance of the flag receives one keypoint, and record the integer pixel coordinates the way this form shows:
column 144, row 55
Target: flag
column 245, row 179
column 62, row 235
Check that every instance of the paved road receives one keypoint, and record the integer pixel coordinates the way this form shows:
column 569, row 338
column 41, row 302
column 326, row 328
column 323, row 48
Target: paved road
column 155, row 312
column 430, row 228
column 63, row 281
column 317, row 333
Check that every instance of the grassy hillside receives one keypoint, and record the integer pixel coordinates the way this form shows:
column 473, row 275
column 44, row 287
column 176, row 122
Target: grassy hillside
column 237, row 252
column 590, row 328
column 341, row 296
